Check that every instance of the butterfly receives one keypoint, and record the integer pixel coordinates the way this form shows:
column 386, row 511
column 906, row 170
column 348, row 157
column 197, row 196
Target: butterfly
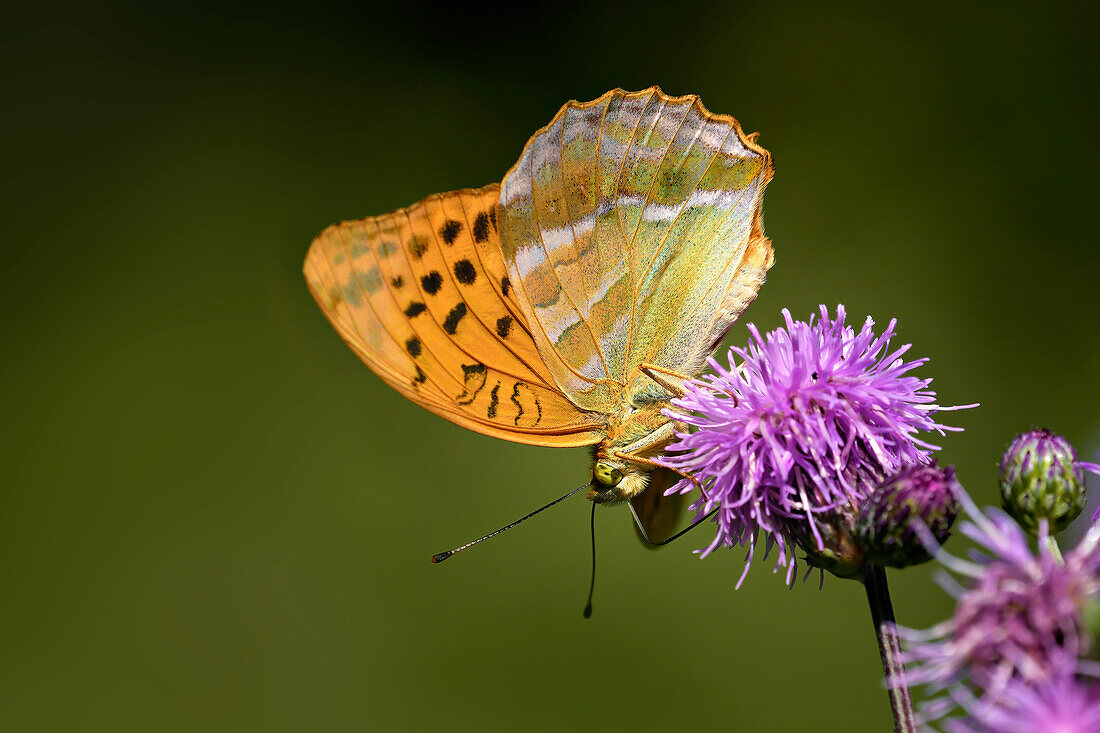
column 566, row 305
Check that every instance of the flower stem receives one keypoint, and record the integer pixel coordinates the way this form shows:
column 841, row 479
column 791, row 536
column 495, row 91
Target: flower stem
column 882, row 614
column 1052, row 545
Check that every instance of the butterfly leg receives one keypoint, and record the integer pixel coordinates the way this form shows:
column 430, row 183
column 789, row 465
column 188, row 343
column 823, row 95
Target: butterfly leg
column 670, row 380
column 654, row 441
column 641, row 460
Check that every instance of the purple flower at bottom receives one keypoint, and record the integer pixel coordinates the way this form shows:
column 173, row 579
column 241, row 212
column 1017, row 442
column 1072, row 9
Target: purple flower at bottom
column 792, row 439
column 1060, row 705
column 1018, row 617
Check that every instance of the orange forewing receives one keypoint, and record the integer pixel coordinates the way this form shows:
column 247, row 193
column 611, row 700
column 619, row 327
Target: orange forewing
column 422, row 296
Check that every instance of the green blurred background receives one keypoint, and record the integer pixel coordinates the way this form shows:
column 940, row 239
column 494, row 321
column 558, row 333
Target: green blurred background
column 213, row 516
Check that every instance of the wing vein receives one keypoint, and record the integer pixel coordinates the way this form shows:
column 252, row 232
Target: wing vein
column 542, row 329
column 725, row 269
column 561, row 285
column 517, row 317
column 457, row 344
column 656, row 173
column 664, row 239
column 473, row 311
column 342, row 230
column 397, row 305
column 622, row 230
column 573, row 230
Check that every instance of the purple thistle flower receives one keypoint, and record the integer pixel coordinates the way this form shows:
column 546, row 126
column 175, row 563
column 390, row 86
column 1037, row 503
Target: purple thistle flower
column 1018, row 616
column 1060, row 705
column 792, row 439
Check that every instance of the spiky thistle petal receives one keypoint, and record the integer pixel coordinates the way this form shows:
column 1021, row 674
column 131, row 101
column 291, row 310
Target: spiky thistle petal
column 792, row 439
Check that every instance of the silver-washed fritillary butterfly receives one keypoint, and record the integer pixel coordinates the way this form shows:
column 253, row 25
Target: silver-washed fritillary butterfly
column 566, row 305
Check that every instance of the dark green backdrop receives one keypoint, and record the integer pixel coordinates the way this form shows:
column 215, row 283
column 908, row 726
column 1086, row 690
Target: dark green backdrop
column 214, row 517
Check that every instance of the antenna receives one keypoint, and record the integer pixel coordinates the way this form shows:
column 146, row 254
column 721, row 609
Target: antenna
column 441, row 556
column 592, row 583
column 679, row 534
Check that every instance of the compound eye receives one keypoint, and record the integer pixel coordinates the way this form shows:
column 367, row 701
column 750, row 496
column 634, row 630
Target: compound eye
column 606, row 474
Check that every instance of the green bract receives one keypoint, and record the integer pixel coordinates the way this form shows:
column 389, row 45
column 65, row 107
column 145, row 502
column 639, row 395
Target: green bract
column 1041, row 479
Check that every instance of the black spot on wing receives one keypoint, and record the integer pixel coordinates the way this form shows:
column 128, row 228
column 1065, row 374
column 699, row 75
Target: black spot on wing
column 420, row 377
column 431, row 282
column 519, row 406
column 473, row 379
column 418, row 245
column 415, row 309
column 475, row 368
column 449, row 231
column 505, row 286
column 494, row 400
column 398, row 282
column 413, row 346
column 450, row 323
column 481, row 227
column 493, row 217
column 504, row 326
column 465, row 272
column 515, row 401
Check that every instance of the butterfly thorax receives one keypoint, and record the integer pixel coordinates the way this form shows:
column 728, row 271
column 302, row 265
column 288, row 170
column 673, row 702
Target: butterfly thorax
column 635, row 435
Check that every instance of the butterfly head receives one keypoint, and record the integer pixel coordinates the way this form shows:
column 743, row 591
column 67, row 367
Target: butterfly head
column 614, row 479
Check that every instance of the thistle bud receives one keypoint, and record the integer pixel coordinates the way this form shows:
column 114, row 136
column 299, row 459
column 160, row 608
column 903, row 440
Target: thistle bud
column 832, row 547
column 885, row 525
column 1042, row 479
column 828, row 540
